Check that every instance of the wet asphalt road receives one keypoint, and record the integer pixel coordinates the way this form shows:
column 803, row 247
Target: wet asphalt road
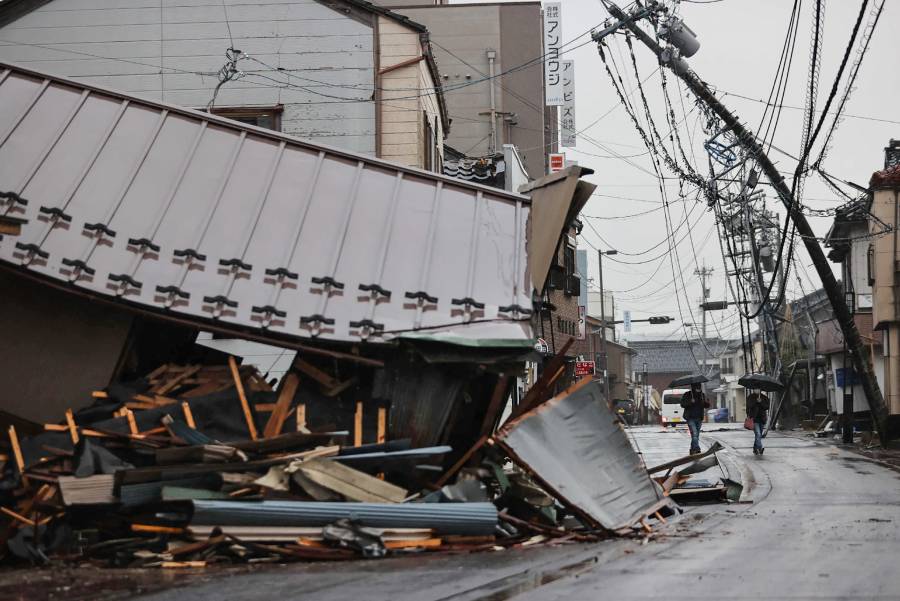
column 823, row 525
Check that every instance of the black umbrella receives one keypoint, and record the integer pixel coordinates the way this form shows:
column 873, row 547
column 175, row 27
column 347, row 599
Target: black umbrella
column 688, row 380
column 763, row 382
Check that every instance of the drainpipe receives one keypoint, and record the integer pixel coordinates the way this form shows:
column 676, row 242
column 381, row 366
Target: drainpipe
column 492, row 56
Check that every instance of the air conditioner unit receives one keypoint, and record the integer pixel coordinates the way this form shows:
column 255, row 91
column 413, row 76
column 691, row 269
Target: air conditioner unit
column 573, row 285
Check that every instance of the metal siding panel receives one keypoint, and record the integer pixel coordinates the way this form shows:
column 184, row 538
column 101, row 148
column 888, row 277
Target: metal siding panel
column 231, row 192
column 452, row 246
column 592, row 467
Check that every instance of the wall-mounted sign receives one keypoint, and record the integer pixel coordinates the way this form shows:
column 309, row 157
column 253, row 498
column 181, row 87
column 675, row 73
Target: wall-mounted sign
column 557, row 161
column 553, row 82
column 584, row 368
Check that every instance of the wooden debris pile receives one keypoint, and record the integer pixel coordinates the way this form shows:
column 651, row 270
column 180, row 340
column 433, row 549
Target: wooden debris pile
column 199, row 464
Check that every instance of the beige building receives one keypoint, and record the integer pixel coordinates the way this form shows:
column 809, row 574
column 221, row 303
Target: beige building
column 884, row 257
column 470, row 43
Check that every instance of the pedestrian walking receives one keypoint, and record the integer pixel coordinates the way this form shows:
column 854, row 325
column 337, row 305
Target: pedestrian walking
column 758, row 411
column 694, row 403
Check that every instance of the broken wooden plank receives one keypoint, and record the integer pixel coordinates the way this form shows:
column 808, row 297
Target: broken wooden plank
column 73, row 429
column 316, row 374
column 495, row 406
column 183, row 564
column 132, row 423
column 716, row 447
column 282, row 406
column 17, row 450
column 382, row 425
column 462, row 461
column 173, row 383
column 358, row 425
column 425, row 543
column 245, row 405
column 17, row 517
column 352, row 484
column 188, row 415
column 339, row 388
column 301, row 418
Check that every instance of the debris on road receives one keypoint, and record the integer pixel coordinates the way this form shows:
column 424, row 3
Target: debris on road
column 680, row 486
column 175, row 470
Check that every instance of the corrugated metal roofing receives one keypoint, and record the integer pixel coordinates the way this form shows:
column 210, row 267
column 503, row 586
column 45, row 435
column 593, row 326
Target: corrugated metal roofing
column 575, row 447
column 198, row 216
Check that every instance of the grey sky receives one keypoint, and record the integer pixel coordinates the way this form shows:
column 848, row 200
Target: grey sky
column 740, row 45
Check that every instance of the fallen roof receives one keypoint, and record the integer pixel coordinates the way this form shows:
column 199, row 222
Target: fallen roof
column 202, row 218
column 574, row 446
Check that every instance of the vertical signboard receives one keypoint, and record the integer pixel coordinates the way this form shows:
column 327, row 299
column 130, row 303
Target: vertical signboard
column 567, row 112
column 626, row 317
column 553, row 82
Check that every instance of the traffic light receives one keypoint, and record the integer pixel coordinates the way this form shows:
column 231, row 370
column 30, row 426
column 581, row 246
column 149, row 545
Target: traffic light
column 659, row 320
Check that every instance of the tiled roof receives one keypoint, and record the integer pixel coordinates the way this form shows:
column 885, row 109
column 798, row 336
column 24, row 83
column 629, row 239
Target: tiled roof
column 674, row 356
column 887, row 178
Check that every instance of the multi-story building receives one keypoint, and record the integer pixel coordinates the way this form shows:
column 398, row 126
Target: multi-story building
column 341, row 72
column 488, row 56
column 850, row 245
column 883, row 254
column 619, row 365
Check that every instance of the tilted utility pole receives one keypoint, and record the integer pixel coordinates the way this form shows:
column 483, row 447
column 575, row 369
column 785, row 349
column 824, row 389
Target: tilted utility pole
column 855, row 347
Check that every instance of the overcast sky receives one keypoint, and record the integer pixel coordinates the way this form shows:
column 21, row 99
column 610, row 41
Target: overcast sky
column 741, row 43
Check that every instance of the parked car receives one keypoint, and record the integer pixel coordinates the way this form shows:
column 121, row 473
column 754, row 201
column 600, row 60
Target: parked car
column 625, row 409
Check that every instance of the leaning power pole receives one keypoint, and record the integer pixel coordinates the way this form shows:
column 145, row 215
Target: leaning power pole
column 670, row 58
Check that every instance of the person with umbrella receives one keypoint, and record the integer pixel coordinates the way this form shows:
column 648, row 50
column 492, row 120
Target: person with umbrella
column 758, row 411
column 758, row 404
column 695, row 404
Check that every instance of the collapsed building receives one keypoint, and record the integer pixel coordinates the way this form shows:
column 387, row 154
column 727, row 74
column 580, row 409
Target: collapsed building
column 130, row 226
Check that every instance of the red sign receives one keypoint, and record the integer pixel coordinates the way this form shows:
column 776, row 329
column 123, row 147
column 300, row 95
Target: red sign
column 557, row 162
column 584, row 368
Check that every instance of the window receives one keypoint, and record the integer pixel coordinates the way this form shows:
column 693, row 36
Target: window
column 267, row 117
column 727, row 365
column 569, row 259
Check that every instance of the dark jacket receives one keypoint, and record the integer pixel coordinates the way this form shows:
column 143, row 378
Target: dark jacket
column 694, row 404
column 758, row 407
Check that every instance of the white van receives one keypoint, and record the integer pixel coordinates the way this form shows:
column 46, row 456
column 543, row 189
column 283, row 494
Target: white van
column 671, row 407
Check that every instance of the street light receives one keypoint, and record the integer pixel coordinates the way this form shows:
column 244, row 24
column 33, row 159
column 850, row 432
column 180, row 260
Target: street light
column 603, row 354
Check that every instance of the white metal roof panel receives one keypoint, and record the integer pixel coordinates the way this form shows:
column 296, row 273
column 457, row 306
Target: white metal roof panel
column 197, row 216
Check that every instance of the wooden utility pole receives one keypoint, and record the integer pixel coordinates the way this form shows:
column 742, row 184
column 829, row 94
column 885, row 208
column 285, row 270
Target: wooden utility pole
column 855, row 347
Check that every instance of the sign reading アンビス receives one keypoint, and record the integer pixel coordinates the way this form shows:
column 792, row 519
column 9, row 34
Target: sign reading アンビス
column 553, row 81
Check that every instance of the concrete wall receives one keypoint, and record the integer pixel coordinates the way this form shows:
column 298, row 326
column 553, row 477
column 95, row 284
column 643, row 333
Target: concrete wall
column 171, row 50
column 55, row 348
column 461, row 36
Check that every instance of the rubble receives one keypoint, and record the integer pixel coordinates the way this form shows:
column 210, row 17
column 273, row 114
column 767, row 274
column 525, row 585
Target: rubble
column 201, row 464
